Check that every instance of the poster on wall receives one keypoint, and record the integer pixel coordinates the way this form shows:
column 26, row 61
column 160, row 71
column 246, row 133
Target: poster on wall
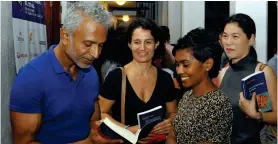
column 29, row 31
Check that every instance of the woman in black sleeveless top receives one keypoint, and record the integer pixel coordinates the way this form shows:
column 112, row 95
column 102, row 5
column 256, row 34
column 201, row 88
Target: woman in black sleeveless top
column 146, row 86
column 237, row 39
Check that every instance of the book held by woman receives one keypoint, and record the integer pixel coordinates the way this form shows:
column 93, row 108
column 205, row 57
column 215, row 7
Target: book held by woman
column 147, row 120
column 256, row 83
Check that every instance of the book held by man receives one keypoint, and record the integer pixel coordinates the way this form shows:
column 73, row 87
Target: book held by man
column 148, row 120
column 256, row 83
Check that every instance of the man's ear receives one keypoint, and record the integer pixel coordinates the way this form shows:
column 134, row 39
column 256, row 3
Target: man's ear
column 64, row 36
column 208, row 64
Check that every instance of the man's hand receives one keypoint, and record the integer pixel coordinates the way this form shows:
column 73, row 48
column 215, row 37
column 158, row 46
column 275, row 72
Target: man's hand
column 98, row 139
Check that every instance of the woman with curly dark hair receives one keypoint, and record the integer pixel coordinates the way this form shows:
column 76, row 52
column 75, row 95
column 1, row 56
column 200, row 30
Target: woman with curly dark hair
column 204, row 113
column 146, row 86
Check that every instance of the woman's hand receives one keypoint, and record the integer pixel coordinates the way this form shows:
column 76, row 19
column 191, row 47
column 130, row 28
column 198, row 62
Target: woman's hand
column 163, row 127
column 152, row 138
column 147, row 140
column 158, row 133
column 248, row 106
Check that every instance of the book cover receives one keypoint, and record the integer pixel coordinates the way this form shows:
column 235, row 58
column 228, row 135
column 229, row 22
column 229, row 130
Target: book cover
column 147, row 120
column 256, row 83
column 154, row 115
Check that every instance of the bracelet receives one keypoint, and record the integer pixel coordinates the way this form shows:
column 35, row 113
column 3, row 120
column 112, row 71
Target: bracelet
column 126, row 127
column 261, row 117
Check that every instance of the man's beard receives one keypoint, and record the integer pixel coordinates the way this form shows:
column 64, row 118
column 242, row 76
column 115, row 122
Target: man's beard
column 75, row 59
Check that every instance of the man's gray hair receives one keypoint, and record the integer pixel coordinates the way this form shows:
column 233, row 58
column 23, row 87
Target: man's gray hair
column 94, row 10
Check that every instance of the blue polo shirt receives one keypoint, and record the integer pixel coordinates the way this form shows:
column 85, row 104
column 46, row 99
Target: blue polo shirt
column 43, row 86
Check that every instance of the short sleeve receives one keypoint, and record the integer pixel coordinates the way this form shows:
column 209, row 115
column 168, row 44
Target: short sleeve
column 27, row 91
column 111, row 88
column 224, row 125
column 169, row 87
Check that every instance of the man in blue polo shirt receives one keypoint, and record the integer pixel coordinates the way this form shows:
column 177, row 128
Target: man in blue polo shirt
column 53, row 98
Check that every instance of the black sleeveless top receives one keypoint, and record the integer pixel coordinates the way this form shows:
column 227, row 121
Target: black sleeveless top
column 111, row 89
column 245, row 130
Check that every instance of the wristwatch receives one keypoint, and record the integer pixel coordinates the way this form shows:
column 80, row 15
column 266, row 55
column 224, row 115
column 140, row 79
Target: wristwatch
column 261, row 117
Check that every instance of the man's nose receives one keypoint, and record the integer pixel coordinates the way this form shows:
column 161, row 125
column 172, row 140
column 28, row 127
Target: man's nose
column 95, row 51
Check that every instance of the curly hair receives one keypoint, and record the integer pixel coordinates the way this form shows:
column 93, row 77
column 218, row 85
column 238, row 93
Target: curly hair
column 204, row 45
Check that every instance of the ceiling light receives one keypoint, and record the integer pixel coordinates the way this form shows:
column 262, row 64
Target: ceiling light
column 120, row 2
column 125, row 18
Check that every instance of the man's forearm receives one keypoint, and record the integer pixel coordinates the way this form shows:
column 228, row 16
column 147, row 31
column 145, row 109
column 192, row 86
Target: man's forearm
column 88, row 140
column 25, row 141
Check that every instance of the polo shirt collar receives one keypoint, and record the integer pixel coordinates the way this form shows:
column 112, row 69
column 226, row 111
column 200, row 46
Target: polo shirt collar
column 55, row 63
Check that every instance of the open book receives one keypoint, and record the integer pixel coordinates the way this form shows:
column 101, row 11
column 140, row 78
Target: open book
column 256, row 83
column 110, row 130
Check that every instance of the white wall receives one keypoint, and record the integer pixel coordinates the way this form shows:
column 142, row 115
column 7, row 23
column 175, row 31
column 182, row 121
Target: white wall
column 257, row 10
column 174, row 20
column 8, row 71
column 193, row 15
column 184, row 16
